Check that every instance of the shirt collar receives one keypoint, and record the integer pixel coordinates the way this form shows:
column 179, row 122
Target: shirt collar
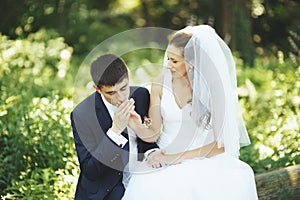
column 111, row 108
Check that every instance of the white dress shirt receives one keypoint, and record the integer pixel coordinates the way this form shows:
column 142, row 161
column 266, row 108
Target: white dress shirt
column 120, row 140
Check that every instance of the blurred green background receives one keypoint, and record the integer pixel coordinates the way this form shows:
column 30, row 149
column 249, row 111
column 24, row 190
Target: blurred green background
column 43, row 44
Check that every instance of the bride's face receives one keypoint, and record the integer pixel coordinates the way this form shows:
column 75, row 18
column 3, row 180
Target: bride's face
column 176, row 61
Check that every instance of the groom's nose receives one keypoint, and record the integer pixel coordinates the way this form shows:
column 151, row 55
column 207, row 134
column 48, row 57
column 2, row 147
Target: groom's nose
column 120, row 97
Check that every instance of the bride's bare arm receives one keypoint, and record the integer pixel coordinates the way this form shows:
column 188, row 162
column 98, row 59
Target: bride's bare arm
column 161, row 159
column 207, row 151
column 152, row 133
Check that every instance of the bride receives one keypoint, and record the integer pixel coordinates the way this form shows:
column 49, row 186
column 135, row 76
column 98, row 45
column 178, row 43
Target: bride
column 197, row 124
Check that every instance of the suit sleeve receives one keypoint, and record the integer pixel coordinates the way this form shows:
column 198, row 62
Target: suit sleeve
column 142, row 100
column 90, row 154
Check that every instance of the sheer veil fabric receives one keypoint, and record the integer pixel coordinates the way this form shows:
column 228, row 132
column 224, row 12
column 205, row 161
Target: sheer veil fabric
column 211, row 70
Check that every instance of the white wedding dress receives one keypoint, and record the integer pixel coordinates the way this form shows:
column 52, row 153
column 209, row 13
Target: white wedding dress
column 216, row 178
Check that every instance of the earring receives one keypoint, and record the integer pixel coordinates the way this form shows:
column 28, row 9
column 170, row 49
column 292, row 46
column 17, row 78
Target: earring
column 190, row 70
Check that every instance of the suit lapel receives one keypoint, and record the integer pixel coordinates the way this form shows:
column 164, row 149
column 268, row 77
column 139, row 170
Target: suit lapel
column 102, row 113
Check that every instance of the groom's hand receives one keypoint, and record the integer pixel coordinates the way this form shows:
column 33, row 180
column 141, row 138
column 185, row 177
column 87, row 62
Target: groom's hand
column 122, row 116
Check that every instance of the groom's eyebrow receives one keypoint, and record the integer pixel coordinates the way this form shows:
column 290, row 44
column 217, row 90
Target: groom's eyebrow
column 124, row 86
column 110, row 92
column 114, row 91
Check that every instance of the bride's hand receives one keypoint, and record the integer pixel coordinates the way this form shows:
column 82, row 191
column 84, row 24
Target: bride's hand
column 156, row 159
column 134, row 120
column 159, row 159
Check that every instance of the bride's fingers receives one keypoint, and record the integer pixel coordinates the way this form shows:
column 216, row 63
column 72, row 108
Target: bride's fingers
column 156, row 165
column 134, row 114
column 157, row 159
column 153, row 163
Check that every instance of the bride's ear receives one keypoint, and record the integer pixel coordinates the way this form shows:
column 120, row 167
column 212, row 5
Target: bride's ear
column 190, row 67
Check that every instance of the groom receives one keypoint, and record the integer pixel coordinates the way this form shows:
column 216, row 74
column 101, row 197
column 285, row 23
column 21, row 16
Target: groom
column 100, row 129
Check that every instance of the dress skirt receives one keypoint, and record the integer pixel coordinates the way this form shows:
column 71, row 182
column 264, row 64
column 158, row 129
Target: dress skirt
column 221, row 177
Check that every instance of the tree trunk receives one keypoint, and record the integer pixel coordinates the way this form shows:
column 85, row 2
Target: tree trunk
column 146, row 12
column 279, row 184
column 226, row 20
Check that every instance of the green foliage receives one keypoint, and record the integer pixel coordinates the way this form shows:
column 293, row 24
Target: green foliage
column 38, row 159
column 44, row 183
column 85, row 23
column 270, row 99
column 36, row 140
column 294, row 54
column 144, row 65
column 277, row 18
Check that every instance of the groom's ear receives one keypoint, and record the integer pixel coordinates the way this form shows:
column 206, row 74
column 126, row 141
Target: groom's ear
column 96, row 88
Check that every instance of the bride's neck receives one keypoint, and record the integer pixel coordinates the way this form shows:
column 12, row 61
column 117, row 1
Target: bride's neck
column 184, row 80
column 181, row 77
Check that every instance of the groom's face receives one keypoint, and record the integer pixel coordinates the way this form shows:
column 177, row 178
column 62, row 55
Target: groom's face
column 117, row 93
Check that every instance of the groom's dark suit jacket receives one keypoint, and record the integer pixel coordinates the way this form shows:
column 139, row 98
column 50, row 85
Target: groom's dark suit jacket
column 101, row 160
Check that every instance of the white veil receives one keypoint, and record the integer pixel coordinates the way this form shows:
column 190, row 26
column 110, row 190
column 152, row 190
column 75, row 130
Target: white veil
column 212, row 74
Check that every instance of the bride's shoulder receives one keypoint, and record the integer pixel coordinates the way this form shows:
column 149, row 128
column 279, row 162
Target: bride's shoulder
column 158, row 80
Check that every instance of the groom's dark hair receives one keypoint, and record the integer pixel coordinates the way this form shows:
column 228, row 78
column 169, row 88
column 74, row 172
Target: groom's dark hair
column 108, row 69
